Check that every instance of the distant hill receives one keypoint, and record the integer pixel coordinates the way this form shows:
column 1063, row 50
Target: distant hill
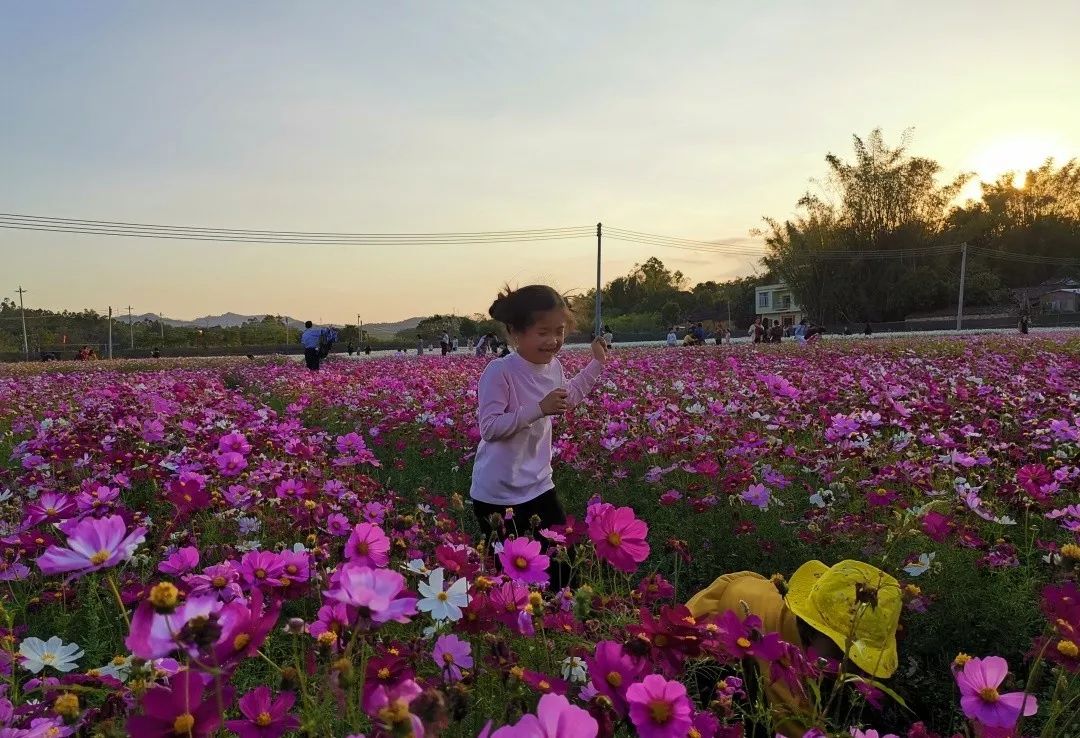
column 231, row 320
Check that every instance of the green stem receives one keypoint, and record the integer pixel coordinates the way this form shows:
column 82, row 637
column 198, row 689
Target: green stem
column 119, row 600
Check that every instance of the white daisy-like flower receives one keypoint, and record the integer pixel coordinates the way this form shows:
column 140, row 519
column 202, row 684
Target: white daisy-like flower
column 37, row 654
column 443, row 604
column 417, row 566
column 574, row 670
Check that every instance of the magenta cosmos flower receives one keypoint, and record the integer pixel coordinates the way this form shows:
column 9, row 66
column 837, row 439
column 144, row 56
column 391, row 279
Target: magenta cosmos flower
column 155, row 634
column 613, row 671
column 980, row 699
column 555, row 718
column 619, row 538
column 368, row 546
column 93, row 544
column 659, row 708
column 522, row 561
column 375, row 593
column 451, row 655
column 265, row 718
column 181, row 709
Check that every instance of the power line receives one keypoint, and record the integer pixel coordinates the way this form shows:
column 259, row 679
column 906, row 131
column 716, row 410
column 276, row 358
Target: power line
column 197, row 233
column 1024, row 258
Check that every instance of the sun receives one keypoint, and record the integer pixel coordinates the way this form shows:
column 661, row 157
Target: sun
column 1016, row 153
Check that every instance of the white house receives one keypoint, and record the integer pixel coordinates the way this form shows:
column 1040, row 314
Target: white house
column 776, row 302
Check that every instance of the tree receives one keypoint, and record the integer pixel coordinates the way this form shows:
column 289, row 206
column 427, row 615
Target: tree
column 671, row 313
column 885, row 199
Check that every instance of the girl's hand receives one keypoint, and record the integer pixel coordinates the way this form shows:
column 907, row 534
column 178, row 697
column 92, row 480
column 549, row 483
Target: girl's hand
column 555, row 403
column 599, row 350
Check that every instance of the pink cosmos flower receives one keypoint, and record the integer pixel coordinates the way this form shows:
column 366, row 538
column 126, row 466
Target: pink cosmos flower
column 508, row 602
column 375, row 593
column 222, row 579
column 234, row 443
column 619, row 538
column 266, row 718
column 980, row 699
column 154, row 634
column 555, row 718
column 659, row 708
column 522, row 561
column 231, row 464
column 870, row 733
column 368, row 546
column 613, row 671
column 332, row 618
column 49, row 505
column 337, row 524
column 262, row 568
column 181, row 708
column 757, row 495
column 401, row 694
column 451, row 655
column 244, row 628
column 181, row 562
column 93, row 544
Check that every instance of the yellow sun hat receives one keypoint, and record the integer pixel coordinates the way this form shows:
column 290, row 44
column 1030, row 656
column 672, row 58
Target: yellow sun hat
column 856, row 605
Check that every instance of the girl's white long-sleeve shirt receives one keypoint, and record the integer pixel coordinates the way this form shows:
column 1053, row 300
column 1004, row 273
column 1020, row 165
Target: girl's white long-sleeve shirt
column 513, row 462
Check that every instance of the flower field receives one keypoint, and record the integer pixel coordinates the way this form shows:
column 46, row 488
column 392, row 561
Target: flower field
column 238, row 547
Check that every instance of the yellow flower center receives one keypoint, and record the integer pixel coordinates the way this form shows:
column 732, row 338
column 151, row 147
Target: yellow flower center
column 241, row 641
column 694, row 733
column 263, row 719
column 989, row 694
column 260, row 573
column 48, row 658
column 163, row 595
column 291, row 569
column 1071, row 551
column 99, row 558
column 543, row 685
column 183, row 724
column 448, row 658
column 742, row 643
column 384, row 673
column 521, row 562
column 659, row 711
column 362, row 548
column 442, row 597
column 1068, row 648
column 66, row 705
column 960, row 660
column 614, row 539
column 218, row 582
column 614, row 678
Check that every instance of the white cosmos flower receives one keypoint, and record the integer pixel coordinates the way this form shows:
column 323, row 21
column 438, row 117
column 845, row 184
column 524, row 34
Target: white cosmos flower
column 443, row 605
column 574, row 670
column 37, row 654
column 417, row 566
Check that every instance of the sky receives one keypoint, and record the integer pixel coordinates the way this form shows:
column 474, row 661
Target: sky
column 688, row 119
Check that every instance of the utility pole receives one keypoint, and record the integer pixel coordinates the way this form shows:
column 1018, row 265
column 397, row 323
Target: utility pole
column 599, row 325
column 161, row 325
column 359, row 332
column 25, row 343
column 963, row 273
column 110, row 331
column 131, row 328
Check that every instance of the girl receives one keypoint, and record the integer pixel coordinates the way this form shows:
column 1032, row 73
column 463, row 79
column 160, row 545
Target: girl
column 517, row 396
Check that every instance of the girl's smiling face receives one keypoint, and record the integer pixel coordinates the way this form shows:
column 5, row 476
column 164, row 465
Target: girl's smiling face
column 541, row 341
